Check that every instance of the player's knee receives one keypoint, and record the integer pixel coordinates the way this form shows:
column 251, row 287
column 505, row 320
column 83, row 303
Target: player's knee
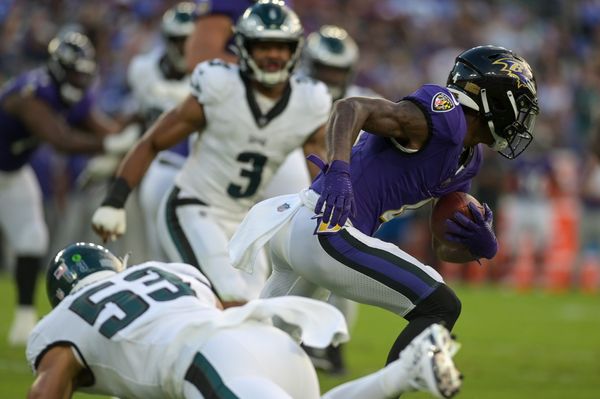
column 443, row 304
column 450, row 305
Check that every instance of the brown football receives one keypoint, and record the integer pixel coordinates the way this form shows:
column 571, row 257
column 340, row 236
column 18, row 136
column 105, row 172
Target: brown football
column 445, row 208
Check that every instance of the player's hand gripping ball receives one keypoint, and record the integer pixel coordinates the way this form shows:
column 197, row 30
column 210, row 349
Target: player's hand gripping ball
column 460, row 221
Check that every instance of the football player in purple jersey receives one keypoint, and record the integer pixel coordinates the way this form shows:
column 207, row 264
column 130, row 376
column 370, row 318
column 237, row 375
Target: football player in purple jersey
column 52, row 104
column 411, row 152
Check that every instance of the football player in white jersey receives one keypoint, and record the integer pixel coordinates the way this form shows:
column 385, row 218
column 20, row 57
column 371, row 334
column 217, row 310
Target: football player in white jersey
column 159, row 81
column 249, row 118
column 156, row 330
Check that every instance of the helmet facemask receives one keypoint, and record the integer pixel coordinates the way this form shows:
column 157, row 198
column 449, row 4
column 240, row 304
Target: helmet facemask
column 174, row 49
column 515, row 137
column 268, row 78
column 72, row 65
column 176, row 25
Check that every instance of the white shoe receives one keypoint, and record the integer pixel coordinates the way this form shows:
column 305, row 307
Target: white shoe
column 24, row 321
column 432, row 352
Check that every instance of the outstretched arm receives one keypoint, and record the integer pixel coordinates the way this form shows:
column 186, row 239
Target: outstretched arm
column 57, row 375
column 168, row 130
column 46, row 125
column 172, row 127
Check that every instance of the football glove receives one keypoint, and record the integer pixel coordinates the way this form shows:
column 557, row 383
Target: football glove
column 477, row 234
column 109, row 222
column 336, row 195
column 120, row 143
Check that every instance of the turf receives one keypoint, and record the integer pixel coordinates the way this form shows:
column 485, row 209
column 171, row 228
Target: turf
column 515, row 346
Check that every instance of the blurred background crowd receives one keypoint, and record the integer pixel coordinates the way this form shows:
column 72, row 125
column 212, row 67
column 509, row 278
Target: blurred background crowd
column 546, row 202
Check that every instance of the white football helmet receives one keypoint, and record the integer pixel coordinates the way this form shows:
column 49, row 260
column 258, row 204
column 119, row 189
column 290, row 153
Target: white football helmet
column 331, row 55
column 268, row 21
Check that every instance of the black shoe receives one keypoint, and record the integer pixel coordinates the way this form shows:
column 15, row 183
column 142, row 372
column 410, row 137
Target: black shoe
column 329, row 360
column 336, row 358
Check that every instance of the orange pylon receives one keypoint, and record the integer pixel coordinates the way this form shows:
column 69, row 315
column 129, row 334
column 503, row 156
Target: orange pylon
column 523, row 268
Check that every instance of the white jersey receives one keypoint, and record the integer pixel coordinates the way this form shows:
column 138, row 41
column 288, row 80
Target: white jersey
column 240, row 149
column 140, row 332
column 151, row 90
column 130, row 355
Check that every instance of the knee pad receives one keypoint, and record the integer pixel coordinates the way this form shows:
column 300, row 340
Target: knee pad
column 443, row 304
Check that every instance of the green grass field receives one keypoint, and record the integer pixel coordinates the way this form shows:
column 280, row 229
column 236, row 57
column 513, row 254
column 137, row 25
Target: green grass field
column 515, row 346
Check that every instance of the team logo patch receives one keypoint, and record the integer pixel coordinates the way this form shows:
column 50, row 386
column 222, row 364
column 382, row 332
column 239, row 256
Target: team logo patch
column 442, row 103
column 518, row 70
column 283, row 207
column 60, row 271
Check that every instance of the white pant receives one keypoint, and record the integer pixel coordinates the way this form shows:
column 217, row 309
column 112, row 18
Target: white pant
column 349, row 264
column 285, row 370
column 198, row 235
column 291, row 177
column 21, row 213
column 157, row 182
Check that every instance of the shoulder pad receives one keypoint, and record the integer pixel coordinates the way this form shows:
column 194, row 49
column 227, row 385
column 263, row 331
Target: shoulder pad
column 212, row 80
column 315, row 93
column 445, row 113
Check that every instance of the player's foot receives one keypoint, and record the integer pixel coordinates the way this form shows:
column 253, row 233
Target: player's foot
column 24, row 321
column 436, row 372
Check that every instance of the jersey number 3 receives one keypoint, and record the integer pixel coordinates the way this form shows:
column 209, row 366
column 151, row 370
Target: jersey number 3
column 257, row 162
column 130, row 305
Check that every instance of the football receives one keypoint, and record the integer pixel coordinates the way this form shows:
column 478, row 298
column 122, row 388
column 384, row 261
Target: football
column 445, row 208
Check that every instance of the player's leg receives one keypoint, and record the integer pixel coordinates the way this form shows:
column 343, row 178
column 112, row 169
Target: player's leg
column 159, row 180
column 253, row 360
column 441, row 306
column 368, row 270
column 425, row 364
column 23, row 225
column 190, row 233
column 283, row 279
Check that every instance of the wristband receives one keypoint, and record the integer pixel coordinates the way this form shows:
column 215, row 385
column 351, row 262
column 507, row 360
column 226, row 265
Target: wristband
column 117, row 194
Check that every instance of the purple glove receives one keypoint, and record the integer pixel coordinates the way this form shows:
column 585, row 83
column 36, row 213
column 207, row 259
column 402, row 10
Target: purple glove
column 336, row 195
column 478, row 235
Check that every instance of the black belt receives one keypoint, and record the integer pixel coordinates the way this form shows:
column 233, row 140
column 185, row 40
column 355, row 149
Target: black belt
column 184, row 201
